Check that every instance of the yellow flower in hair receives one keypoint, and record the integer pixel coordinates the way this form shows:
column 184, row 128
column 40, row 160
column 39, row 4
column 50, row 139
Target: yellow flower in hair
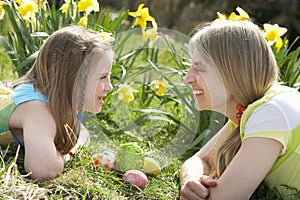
column 125, row 92
column 83, row 21
column 273, row 34
column 141, row 17
column 88, row 6
column 159, row 86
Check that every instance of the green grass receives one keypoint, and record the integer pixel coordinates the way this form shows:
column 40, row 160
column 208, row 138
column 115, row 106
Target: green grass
column 81, row 179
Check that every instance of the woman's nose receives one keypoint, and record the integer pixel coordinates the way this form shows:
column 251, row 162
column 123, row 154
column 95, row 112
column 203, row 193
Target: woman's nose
column 189, row 78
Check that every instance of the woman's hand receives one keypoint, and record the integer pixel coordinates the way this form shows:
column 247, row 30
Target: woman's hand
column 197, row 189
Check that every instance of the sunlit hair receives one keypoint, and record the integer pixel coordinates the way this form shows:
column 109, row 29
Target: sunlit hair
column 246, row 64
column 54, row 72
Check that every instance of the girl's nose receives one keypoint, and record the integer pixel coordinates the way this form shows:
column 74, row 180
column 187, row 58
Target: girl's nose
column 108, row 87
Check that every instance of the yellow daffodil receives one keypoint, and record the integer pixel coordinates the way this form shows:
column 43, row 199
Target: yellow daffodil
column 42, row 3
column 88, row 6
column 125, row 92
column 159, row 86
column 106, row 36
column 27, row 9
column 18, row 1
column 64, row 8
column 150, row 34
column 273, row 34
column 243, row 15
column 83, row 21
column 141, row 17
column 2, row 11
column 221, row 18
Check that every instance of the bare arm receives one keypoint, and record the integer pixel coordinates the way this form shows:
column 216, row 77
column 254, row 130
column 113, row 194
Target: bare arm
column 200, row 164
column 247, row 169
column 39, row 129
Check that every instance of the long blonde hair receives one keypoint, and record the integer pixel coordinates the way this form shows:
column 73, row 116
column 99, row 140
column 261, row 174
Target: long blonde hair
column 247, row 66
column 54, row 72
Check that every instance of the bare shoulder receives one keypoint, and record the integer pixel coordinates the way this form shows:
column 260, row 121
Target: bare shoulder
column 37, row 112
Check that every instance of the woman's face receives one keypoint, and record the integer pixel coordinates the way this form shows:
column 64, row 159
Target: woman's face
column 207, row 85
column 98, row 81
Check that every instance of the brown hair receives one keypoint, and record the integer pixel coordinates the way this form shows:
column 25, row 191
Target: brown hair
column 237, row 48
column 54, row 72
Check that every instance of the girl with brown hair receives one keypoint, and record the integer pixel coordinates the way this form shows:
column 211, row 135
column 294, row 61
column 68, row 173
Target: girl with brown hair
column 43, row 109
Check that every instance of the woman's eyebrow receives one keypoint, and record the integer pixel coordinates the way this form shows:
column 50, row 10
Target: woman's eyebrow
column 198, row 64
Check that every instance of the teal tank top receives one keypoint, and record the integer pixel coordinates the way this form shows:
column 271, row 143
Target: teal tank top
column 10, row 98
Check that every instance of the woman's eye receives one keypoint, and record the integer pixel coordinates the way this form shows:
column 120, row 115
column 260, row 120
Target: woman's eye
column 199, row 69
column 103, row 77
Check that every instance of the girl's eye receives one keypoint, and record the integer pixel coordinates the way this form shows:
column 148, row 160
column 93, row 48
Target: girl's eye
column 103, row 77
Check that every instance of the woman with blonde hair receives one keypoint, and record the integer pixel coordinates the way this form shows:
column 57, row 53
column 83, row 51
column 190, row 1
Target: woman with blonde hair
column 234, row 72
column 43, row 109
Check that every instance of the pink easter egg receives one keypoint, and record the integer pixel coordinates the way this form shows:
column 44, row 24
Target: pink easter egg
column 136, row 178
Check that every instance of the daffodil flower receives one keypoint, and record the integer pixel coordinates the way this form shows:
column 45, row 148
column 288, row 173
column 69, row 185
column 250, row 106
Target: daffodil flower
column 88, row 6
column 64, row 8
column 273, row 34
column 106, row 36
column 125, row 92
column 27, row 9
column 42, row 3
column 83, row 21
column 159, row 86
column 221, row 18
column 243, row 15
column 141, row 17
column 2, row 11
column 150, row 34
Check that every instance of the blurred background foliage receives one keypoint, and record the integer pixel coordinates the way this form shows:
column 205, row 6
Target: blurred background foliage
column 184, row 15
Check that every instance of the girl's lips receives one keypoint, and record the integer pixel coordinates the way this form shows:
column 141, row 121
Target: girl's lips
column 100, row 99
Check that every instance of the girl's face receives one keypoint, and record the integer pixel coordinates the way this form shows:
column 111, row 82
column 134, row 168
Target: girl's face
column 98, row 82
column 207, row 85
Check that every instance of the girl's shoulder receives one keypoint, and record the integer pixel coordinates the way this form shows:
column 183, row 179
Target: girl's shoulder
column 26, row 92
column 30, row 112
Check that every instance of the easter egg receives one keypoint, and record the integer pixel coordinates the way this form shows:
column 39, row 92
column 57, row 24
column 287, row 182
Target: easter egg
column 135, row 178
column 105, row 159
column 128, row 157
column 151, row 167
